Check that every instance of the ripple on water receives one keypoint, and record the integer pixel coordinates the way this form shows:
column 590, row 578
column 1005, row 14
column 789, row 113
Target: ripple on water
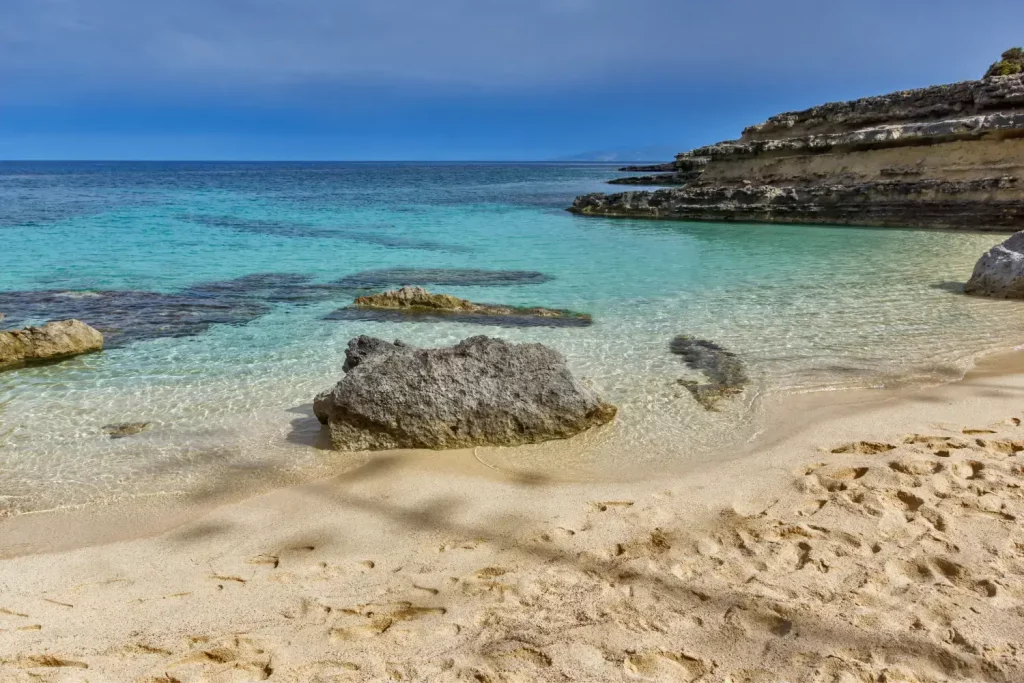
column 221, row 275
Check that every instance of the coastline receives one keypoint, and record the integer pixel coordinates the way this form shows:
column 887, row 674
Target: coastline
column 783, row 416
column 522, row 579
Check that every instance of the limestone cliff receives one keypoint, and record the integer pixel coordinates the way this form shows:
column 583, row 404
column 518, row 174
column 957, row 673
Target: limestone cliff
column 948, row 156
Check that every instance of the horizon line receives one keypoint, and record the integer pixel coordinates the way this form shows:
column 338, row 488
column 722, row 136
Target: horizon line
column 333, row 161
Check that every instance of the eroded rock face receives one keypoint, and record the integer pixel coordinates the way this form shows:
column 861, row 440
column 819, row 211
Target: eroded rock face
column 1000, row 271
column 415, row 304
column 949, row 156
column 725, row 372
column 53, row 341
column 482, row 391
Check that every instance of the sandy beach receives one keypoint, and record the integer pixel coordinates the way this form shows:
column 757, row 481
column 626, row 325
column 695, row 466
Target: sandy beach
column 872, row 536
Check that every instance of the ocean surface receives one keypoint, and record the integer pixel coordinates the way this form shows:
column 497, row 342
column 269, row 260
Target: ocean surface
column 214, row 284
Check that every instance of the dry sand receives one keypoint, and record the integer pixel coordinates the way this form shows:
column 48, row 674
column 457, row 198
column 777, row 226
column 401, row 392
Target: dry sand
column 865, row 540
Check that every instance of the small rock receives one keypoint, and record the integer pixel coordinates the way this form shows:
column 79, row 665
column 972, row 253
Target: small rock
column 53, row 341
column 120, row 431
column 410, row 304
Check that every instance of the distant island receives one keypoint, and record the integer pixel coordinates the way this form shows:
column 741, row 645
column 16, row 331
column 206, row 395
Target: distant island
column 947, row 156
column 623, row 154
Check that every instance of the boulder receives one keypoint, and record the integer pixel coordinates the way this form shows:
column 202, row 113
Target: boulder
column 480, row 392
column 1000, row 271
column 417, row 304
column 52, row 341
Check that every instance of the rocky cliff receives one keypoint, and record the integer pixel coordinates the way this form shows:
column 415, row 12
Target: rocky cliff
column 948, row 156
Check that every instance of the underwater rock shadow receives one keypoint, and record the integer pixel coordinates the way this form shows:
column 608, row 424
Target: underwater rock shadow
column 307, row 430
column 275, row 228
column 125, row 316
column 949, row 286
column 514, row 320
column 725, row 371
column 452, row 277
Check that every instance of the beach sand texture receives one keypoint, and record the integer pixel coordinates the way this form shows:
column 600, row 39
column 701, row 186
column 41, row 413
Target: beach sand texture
column 875, row 540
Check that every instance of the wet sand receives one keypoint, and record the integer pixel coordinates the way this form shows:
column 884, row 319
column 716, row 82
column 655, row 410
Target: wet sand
column 865, row 535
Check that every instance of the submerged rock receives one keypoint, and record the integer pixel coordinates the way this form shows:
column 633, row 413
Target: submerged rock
column 125, row 429
column 128, row 316
column 726, row 373
column 482, row 391
column 125, row 316
column 415, row 304
column 368, row 234
column 1000, row 271
column 53, row 341
column 450, row 277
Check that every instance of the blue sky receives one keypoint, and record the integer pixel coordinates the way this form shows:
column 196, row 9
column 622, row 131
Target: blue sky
column 455, row 79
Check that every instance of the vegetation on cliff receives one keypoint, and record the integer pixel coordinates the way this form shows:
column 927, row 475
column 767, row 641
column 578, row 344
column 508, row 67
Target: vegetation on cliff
column 1011, row 64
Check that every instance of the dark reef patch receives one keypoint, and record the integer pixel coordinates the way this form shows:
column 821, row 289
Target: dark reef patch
column 128, row 316
column 258, row 226
column 450, row 277
column 725, row 371
column 271, row 287
column 426, row 316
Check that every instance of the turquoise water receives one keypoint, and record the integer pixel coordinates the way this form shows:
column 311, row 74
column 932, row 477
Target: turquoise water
column 227, row 386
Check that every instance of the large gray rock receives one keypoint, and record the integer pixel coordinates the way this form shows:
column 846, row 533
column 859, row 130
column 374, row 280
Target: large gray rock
column 1000, row 272
column 52, row 341
column 482, row 391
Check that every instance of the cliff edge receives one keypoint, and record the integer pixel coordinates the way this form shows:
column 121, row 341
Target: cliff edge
column 947, row 156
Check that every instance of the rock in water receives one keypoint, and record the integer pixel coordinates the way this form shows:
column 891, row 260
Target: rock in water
column 726, row 373
column 125, row 429
column 415, row 304
column 480, row 392
column 52, row 341
column 1000, row 272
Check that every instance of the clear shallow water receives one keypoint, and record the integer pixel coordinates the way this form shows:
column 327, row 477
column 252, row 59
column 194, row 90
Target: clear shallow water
column 807, row 309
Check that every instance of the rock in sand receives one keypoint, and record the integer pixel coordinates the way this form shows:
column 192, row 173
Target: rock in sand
column 480, row 392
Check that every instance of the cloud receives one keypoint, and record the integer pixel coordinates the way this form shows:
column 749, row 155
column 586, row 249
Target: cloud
column 51, row 46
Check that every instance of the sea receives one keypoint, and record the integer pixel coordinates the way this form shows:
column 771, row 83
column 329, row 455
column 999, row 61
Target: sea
column 218, row 287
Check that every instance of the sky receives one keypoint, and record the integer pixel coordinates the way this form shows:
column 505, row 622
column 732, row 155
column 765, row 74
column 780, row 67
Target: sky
column 455, row 79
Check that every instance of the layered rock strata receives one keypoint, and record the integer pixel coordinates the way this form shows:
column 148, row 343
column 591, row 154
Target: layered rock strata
column 949, row 156
column 53, row 341
column 482, row 391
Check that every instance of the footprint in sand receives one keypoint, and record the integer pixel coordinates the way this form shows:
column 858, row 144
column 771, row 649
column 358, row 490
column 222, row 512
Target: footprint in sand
column 664, row 667
column 864, row 448
column 46, row 661
column 604, row 506
column 371, row 620
column 916, row 466
column 234, row 659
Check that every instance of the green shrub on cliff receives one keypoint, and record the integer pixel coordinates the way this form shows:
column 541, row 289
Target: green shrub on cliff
column 1011, row 64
